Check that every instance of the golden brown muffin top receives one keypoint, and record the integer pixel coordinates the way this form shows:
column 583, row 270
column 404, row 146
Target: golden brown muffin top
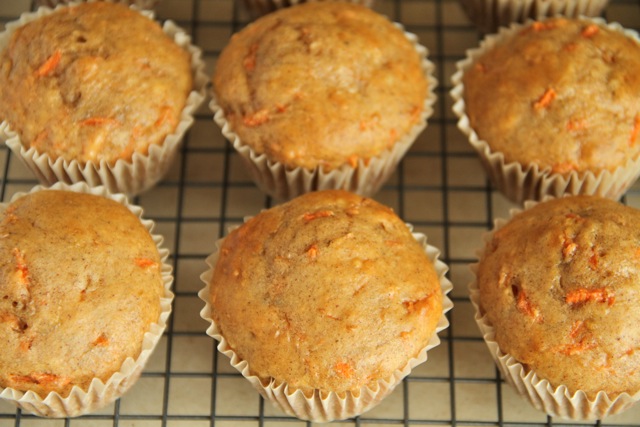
column 320, row 85
column 329, row 291
column 80, row 284
column 96, row 81
column 562, row 94
column 560, row 283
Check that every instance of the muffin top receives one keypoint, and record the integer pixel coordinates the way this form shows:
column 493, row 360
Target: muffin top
column 80, row 284
column 560, row 283
column 301, row 290
column 321, row 84
column 96, row 81
column 568, row 101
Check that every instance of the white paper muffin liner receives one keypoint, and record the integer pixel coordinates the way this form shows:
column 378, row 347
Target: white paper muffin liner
column 257, row 8
column 284, row 183
column 529, row 182
column 132, row 177
column 489, row 15
column 322, row 406
column 142, row 4
column 555, row 401
column 100, row 394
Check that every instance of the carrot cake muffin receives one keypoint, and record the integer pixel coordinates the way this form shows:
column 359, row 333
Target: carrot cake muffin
column 558, row 284
column 93, row 81
column 300, row 290
column 322, row 86
column 566, row 104
column 67, row 316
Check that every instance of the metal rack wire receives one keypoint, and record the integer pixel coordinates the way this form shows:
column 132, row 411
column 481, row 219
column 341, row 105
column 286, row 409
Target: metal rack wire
column 439, row 188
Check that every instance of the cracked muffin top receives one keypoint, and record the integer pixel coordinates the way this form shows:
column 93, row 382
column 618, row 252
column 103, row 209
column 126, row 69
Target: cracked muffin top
column 321, row 84
column 301, row 292
column 568, row 101
column 95, row 81
column 80, row 284
column 560, row 283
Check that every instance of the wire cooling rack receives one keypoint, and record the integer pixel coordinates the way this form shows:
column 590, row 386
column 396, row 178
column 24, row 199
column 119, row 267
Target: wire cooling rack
column 439, row 187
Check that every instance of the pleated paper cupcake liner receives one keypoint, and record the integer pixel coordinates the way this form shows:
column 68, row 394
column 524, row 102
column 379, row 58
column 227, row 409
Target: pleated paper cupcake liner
column 320, row 406
column 99, row 393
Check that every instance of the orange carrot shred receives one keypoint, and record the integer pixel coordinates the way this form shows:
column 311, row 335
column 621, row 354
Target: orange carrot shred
column 590, row 30
column 547, row 97
column 102, row 340
column 344, row 369
column 524, row 305
column 574, row 125
column 49, row 65
column 96, row 121
column 636, row 130
column 310, row 216
column 166, row 116
column 21, row 266
column 564, row 167
column 257, row 118
column 583, row 295
column 145, row 262
column 312, row 252
column 353, row 160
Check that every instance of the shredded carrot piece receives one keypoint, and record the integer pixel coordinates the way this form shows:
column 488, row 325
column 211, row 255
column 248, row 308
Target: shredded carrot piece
column 582, row 295
column 524, row 306
column 576, row 328
column 249, row 62
column 571, row 349
column 310, row 216
column 344, row 369
column 21, row 267
column 40, row 378
column 547, row 97
column 353, row 160
column 636, row 130
column 26, row 345
column 102, row 340
column 97, row 121
column 573, row 125
column 568, row 247
column 574, row 216
column 280, row 108
column 166, row 116
column 593, row 260
column 637, row 253
column 480, row 67
column 564, row 167
column 312, row 252
column 590, row 30
column 49, row 65
column 145, row 262
column 257, row 118
column 570, row 47
column 416, row 305
column 393, row 134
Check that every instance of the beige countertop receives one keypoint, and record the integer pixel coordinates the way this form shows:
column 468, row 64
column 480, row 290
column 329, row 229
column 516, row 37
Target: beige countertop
column 440, row 188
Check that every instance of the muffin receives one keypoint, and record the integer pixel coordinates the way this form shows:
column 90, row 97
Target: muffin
column 556, row 289
column 323, row 95
column 76, row 331
column 297, row 296
column 560, row 117
column 489, row 15
column 97, row 92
